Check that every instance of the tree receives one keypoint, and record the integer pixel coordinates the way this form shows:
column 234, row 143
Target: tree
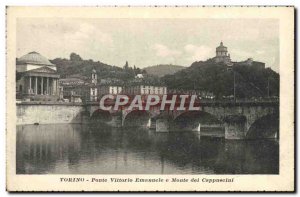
column 74, row 57
column 137, row 70
column 212, row 77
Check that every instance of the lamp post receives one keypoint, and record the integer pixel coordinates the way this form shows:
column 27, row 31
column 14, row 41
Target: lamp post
column 234, row 81
column 234, row 92
column 268, row 87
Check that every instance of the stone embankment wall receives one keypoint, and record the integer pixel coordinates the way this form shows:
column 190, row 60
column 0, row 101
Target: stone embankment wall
column 50, row 113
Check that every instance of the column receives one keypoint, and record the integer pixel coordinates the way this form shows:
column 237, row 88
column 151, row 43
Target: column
column 42, row 84
column 30, row 85
column 53, row 87
column 57, row 87
column 48, row 85
column 36, row 87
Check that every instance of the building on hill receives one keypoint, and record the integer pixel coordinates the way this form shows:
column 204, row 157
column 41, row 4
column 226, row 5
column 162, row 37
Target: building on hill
column 142, row 87
column 78, row 89
column 77, row 76
column 222, row 55
column 202, row 94
column 94, row 76
column 37, row 78
column 139, row 76
column 71, row 81
column 145, row 90
column 112, row 89
column 73, row 89
column 250, row 62
column 93, row 86
column 111, row 86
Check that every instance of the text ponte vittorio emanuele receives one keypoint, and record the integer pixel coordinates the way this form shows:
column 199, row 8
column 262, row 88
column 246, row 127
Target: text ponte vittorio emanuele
column 148, row 180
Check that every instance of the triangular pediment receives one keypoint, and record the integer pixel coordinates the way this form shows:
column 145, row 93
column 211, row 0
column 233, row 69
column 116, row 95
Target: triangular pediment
column 43, row 69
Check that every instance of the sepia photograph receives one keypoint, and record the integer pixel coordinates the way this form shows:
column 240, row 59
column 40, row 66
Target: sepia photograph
column 142, row 98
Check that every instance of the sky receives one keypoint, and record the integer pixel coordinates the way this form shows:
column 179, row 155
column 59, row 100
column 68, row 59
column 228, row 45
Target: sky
column 148, row 42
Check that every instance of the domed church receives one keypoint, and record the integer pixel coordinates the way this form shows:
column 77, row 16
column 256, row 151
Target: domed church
column 36, row 78
column 221, row 54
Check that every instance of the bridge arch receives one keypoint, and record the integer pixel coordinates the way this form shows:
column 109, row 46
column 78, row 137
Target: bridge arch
column 192, row 119
column 101, row 115
column 201, row 115
column 136, row 118
column 264, row 127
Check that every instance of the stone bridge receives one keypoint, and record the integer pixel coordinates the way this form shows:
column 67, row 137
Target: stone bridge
column 237, row 117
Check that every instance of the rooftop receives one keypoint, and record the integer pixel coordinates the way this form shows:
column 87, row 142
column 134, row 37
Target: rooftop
column 221, row 47
column 34, row 58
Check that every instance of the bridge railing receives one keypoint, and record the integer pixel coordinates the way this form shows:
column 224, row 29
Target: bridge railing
column 212, row 101
column 243, row 100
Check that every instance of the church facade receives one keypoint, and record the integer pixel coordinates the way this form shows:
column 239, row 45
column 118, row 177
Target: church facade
column 36, row 78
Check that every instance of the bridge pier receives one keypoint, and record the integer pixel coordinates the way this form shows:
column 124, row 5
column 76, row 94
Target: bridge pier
column 116, row 121
column 235, row 126
column 162, row 125
column 197, row 128
column 151, row 123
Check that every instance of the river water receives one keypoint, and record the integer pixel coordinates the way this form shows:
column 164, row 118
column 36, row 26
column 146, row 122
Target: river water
column 94, row 149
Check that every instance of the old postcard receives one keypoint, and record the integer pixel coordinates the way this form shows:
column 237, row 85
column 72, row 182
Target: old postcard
column 150, row 99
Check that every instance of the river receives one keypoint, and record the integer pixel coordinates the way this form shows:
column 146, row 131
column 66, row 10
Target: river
column 94, row 149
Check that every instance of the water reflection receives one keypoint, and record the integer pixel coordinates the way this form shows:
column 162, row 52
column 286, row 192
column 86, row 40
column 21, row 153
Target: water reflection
column 90, row 149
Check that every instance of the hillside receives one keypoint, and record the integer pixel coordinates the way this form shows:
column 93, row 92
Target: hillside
column 163, row 69
column 208, row 76
column 78, row 66
column 216, row 78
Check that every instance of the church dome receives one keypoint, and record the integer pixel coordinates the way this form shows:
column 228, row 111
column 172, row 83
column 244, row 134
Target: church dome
column 221, row 48
column 34, row 58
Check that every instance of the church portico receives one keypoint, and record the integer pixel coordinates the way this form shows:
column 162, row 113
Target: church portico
column 47, row 85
